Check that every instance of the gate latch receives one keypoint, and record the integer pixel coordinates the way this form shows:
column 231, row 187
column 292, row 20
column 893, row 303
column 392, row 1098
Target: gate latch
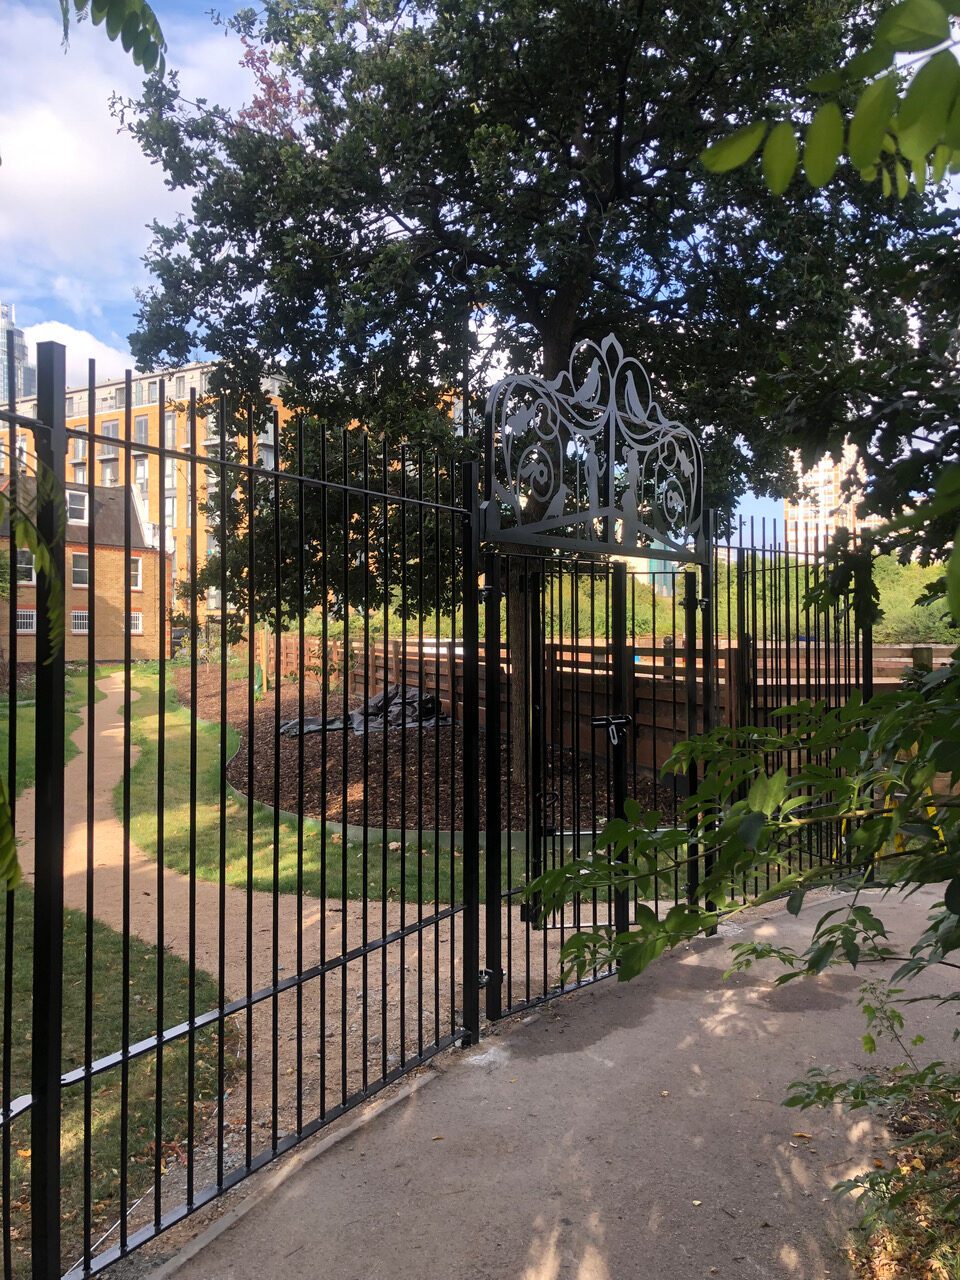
column 616, row 727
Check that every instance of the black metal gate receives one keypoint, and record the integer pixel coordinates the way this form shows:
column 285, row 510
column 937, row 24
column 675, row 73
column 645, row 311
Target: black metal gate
column 296, row 731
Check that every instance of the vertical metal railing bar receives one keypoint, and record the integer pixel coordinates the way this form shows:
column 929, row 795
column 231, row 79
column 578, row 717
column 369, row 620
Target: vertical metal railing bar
column 324, row 743
column 125, row 469
column 609, row 682
column 562, row 781
column 471, row 753
column 674, row 716
column 653, row 718
column 222, row 477
column 421, row 682
column 192, row 866
column 384, row 558
column 365, row 839
column 454, row 536
column 301, row 685
column 251, row 532
column 551, row 573
column 404, row 680
column 531, row 826
column 493, row 765
column 91, row 739
column 275, row 831
column 438, row 570
column 161, row 799
column 577, row 821
column 509, row 575
column 344, row 756
column 10, row 913
column 594, row 794
column 48, row 831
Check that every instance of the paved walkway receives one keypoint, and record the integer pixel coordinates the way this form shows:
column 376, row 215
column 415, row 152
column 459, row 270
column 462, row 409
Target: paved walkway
column 627, row 1131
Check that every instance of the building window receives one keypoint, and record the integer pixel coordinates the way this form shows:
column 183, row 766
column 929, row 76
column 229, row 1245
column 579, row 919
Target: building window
column 266, row 457
column 136, row 573
column 170, row 430
column 120, row 397
column 77, row 506
column 21, row 455
column 80, row 473
column 173, row 556
column 27, row 622
column 79, row 621
column 111, row 429
column 26, row 571
column 213, row 482
column 109, row 474
column 211, row 544
column 79, row 448
column 170, row 510
column 180, row 386
column 141, row 475
column 138, row 394
column 170, row 475
column 81, row 569
column 140, row 429
column 70, row 413
column 136, row 623
column 213, row 598
column 152, row 393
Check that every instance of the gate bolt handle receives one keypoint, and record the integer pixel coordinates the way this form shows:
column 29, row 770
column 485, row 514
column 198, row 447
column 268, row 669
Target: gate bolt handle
column 616, row 727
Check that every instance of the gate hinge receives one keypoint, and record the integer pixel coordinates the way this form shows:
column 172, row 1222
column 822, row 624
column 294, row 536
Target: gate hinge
column 703, row 604
column 486, row 976
column 489, row 593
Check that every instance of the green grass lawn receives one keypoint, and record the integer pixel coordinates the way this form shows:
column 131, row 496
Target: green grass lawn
column 177, row 824
column 76, row 699
column 106, row 1093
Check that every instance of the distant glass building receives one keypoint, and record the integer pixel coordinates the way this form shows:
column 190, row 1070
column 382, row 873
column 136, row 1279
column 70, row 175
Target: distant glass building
column 24, row 373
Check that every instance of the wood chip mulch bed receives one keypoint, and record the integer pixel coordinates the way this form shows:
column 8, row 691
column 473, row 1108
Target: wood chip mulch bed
column 424, row 778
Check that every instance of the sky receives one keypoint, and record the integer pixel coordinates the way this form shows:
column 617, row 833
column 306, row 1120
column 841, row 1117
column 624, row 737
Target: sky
column 76, row 195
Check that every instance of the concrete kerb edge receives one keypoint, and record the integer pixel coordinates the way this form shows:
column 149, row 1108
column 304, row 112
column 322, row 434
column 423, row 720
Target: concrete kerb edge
column 292, row 1164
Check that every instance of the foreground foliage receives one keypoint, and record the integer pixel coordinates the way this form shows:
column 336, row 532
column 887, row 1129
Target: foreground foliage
column 878, row 784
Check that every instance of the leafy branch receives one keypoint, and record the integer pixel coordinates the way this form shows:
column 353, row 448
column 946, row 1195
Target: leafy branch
column 895, row 119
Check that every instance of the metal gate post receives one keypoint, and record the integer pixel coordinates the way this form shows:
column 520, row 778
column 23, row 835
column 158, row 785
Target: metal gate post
column 48, row 857
column 532, row 584
column 471, row 755
column 690, row 610
column 493, row 766
column 623, row 710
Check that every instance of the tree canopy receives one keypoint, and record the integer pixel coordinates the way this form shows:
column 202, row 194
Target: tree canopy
column 403, row 166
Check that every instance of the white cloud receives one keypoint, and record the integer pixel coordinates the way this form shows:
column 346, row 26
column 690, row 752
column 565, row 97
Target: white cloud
column 112, row 362
column 75, row 194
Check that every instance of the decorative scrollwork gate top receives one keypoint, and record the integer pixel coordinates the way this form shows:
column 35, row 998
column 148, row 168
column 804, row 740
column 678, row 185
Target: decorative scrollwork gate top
column 588, row 461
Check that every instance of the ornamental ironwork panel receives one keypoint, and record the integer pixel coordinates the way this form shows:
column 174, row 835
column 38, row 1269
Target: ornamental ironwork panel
column 589, row 461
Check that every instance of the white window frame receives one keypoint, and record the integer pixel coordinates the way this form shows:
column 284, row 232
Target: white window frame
column 79, row 586
column 141, row 421
column 110, row 429
column 138, row 562
column 32, row 580
column 84, row 499
column 141, row 475
column 26, row 622
column 105, row 464
column 69, row 407
column 136, row 622
column 78, row 628
column 180, row 386
column 79, row 449
column 153, row 392
column 79, row 473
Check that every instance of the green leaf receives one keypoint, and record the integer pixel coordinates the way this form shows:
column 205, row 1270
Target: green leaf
column 829, row 82
column 735, row 150
column 129, row 31
column 953, row 579
column 750, row 828
column 869, row 1043
column 795, row 901
column 767, row 792
column 151, row 56
column 951, row 898
column 871, row 120
column 823, row 144
column 927, row 104
column 914, row 25
column 951, row 130
column 903, row 182
column 115, row 16
column 871, row 62
column 779, row 160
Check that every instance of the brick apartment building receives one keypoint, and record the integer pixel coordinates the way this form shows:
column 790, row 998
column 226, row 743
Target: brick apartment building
column 110, row 568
